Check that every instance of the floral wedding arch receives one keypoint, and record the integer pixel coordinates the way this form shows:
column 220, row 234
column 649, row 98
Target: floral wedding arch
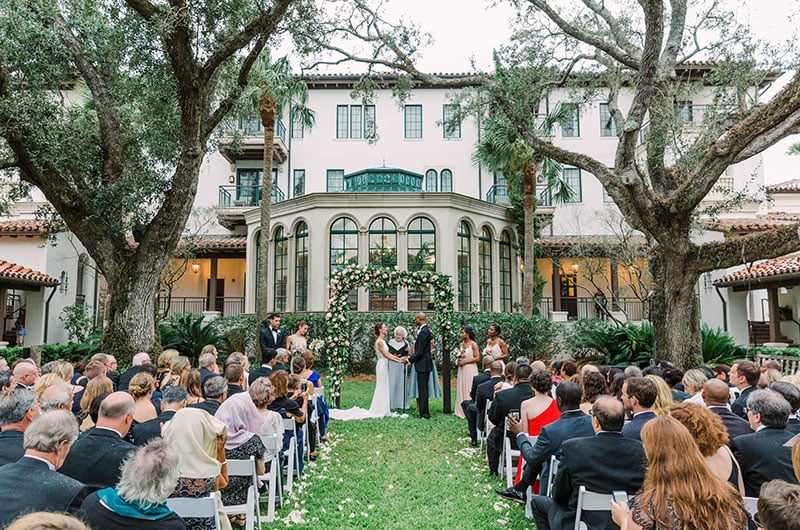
column 352, row 277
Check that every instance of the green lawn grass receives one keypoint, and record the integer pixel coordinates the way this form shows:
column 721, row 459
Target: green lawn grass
column 398, row 473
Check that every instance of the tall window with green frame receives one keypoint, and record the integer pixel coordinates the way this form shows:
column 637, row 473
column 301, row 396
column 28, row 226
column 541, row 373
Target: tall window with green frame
column 451, row 121
column 464, row 267
column 281, row 268
column 383, row 253
column 344, row 251
column 572, row 176
column 485, row 269
column 505, row 273
column 335, row 180
column 571, row 126
column 412, row 122
column 421, row 257
column 301, row 267
column 608, row 127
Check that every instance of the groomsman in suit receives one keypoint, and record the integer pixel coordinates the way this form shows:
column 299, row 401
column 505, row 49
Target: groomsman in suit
column 423, row 363
column 715, row 396
column 638, row 396
column 272, row 336
column 744, row 375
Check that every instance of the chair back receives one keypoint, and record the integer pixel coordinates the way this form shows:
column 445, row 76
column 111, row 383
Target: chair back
column 590, row 501
column 289, row 424
column 319, row 391
column 551, row 475
column 200, row 508
column 242, row 468
column 751, row 505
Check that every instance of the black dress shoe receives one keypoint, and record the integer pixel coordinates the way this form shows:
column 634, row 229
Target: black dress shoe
column 512, row 495
column 473, row 443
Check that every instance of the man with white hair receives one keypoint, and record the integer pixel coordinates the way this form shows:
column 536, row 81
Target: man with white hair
column 18, row 409
column 56, row 397
column 138, row 360
column 208, row 368
column 32, row 484
column 173, row 399
column 97, row 455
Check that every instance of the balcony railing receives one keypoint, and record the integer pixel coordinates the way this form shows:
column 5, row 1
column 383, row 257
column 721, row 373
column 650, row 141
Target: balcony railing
column 498, row 194
column 195, row 305
column 247, row 196
column 252, row 128
column 576, row 308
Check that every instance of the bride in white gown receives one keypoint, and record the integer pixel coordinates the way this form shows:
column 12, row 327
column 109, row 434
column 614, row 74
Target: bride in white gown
column 380, row 398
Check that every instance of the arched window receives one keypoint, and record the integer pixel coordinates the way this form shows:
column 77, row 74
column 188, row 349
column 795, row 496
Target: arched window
column 301, row 267
column 485, row 269
column 421, row 256
column 446, row 178
column 281, row 268
column 430, row 180
column 383, row 253
column 344, row 250
column 464, row 267
column 505, row 273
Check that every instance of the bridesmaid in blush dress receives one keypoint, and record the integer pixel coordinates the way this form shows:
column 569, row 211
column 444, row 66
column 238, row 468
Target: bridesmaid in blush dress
column 538, row 411
column 467, row 368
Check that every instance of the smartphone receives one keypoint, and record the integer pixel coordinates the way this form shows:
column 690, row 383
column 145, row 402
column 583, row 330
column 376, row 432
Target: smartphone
column 304, row 387
column 620, row 497
column 514, row 414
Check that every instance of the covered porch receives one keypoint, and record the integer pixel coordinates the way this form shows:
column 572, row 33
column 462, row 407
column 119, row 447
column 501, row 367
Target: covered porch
column 23, row 307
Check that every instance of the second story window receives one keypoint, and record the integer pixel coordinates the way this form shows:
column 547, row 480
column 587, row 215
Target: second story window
column 572, row 176
column 413, row 121
column 335, row 180
column 430, row 180
column 571, row 126
column 608, row 127
column 446, row 179
column 451, row 121
column 298, row 128
column 299, row 188
column 355, row 121
column 685, row 111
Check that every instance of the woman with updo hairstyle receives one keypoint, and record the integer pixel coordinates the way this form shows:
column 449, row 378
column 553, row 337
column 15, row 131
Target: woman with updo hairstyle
column 141, row 387
column 593, row 384
column 538, row 411
column 164, row 362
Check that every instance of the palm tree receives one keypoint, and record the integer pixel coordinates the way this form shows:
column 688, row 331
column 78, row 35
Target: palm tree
column 275, row 89
column 502, row 149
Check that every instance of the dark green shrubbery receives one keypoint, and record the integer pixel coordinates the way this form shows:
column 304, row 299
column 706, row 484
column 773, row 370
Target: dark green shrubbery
column 187, row 334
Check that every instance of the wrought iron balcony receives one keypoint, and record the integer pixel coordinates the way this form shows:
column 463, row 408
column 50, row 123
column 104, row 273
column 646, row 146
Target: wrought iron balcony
column 498, row 194
column 246, row 196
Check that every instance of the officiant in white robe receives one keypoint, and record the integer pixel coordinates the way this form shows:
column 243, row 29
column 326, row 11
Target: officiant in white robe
column 398, row 345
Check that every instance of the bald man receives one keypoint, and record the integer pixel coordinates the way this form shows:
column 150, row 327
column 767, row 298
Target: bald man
column 715, row 395
column 25, row 375
column 98, row 454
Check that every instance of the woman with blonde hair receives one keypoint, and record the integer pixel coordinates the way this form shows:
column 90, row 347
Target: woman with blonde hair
column 164, row 363
column 97, row 386
column 47, row 521
column 663, row 395
column 141, row 387
column 177, row 367
column 711, row 437
column 45, row 382
column 190, row 380
column 679, row 490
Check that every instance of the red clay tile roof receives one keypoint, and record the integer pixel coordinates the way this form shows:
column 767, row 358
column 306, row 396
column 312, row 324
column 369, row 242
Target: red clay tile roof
column 22, row 227
column 767, row 270
column 588, row 246
column 751, row 224
column 19, row 274
column 569, row 241
column 217, row 242
column 788, row 186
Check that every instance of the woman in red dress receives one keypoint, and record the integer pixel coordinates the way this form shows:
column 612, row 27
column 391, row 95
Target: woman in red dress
column 537, row 412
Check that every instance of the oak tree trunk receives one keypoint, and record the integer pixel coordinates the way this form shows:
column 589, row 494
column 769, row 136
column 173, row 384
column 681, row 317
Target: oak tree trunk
column 266, row 109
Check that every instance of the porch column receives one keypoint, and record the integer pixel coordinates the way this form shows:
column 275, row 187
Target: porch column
column 614, row 272
column 556, row 285
column 212, row 286
column 774, row 317
column 3, row 305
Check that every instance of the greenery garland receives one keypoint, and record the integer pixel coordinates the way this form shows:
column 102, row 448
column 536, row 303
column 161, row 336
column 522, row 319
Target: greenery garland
column 355, row 276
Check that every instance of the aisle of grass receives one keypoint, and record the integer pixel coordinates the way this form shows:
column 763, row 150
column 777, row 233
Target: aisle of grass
column 398, row 473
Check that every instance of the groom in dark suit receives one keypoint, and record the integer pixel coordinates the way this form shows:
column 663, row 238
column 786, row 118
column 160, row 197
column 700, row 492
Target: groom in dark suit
column 272, row 336
column 423, row 363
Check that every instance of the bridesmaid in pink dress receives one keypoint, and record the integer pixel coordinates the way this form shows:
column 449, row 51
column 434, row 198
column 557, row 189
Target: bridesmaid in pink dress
column 468, row 360
column 538, row 411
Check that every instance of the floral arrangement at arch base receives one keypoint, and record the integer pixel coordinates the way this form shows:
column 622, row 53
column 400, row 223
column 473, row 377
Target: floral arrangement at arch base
column 354, row 276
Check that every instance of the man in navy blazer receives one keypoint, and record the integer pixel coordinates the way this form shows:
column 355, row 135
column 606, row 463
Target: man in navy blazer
column 601, row 463
column 32, row 484
column 763, row 455
column 715, row 396
column 638, row 396
column 572, row 424
column 744, row 375
column 272, row 336
column 485, row 391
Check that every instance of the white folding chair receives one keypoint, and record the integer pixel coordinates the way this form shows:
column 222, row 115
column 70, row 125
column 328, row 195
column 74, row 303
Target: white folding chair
column 511, row 456
column 551, row 475
column 589, row 501
column 291, row 454
column 484, row 433
column 200, row 508
column 751, row 505
column 272, row 478
column 246, row 468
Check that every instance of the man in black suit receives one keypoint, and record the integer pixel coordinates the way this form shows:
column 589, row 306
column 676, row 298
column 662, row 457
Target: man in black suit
column 744, row 375
column 469, row 406
column 25, row 374
column 97, row 455
column 267, row 365
column 18, row 409
column 504, row 402
column 173, row 399
column 792, row 395
column 602, row 463
column 138, row 360
column 208, row 367
column 485, row 391
column 32, row 484
column 573, row 423
column 423, row 363
column 763, row 455
column 715, row 396
column 638, row 396
column 216, row 391
column 272, row 336
column 234, row 375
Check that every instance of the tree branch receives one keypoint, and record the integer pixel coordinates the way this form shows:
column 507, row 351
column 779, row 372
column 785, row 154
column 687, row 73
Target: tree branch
column 740, row 250
column 615, row 28
column 145, row 9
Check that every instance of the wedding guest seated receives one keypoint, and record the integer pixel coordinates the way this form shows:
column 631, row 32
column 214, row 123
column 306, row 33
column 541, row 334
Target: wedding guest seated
column 508, row 377
column 24, row 375
column 238, row 357
column 263, row 393
column 470, row 407
column 663, row 395
column 177, row 368
column 768, row 377
column 711, row 437
column 138, row 502
column 164, row 366
column 244, row 440
column 573, row 423
column 45, row 382
column 267, row 365
column 234, row 374
column 693, row 382
column 298, row 367
column 602, row 463
column 141, row 388
column 97, row 455
column 568, row 370
column 47, row 521
column 679, row 490
column 5, row 380
column 792, row 395
column 216, row 391
column 538, row 411
column 715, row 395
column 744, row 376
column 32, row 484
column 96, row 387
column 18, row 409
column 289, row 408
column 770, row 364
column 638, row 395
column 139, row 359
column 174, row 399
column 503, row 403
column 485, row 391
column 56, row 397
column 207, row 364
column 315, row 378
column 778, row 506
column 190, row 380
column 617, row 382
column 282, row 359
column 674, row 379
column 593, row 385
column 763, row 455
